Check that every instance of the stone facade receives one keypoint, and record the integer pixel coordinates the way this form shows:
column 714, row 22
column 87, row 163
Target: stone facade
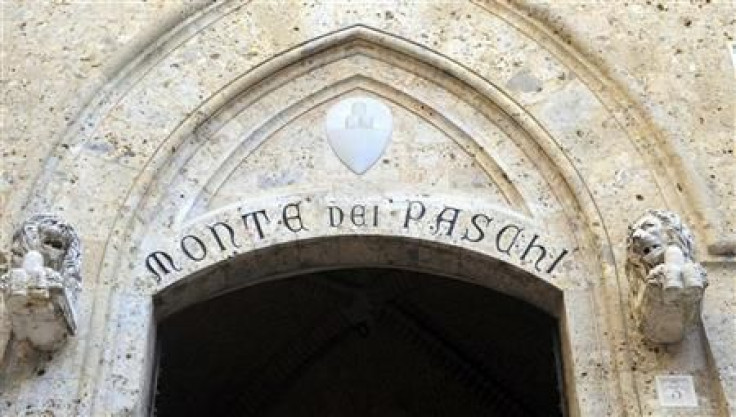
column 184, row 140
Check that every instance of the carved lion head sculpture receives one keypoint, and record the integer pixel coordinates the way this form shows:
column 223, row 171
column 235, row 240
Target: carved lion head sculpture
column 55, row 239
column 652, row 233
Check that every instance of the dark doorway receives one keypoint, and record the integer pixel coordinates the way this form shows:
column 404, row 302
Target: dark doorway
column 359, row 342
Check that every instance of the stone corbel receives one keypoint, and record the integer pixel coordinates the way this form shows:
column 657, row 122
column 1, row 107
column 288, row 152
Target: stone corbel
column 667, row 285
column 41, row 288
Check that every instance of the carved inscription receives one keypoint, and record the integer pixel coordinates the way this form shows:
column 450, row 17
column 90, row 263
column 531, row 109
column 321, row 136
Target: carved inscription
column 510, row 240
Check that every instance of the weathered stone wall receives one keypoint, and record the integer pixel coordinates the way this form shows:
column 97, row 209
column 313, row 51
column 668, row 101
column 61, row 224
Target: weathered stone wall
column 143, row 123
column 56, row 56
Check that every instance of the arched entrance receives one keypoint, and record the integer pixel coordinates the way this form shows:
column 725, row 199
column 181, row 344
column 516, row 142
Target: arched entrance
column 360, row 342
column 213, row 151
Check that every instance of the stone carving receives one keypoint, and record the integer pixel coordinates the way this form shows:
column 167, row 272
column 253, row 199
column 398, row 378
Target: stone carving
column 667, row 284
column 359, row 130
column 42, row 286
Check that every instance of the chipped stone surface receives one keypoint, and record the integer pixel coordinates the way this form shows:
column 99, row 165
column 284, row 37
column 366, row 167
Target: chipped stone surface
column 144, row 123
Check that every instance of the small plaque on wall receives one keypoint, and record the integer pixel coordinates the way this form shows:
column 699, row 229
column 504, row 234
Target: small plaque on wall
column 676, row 391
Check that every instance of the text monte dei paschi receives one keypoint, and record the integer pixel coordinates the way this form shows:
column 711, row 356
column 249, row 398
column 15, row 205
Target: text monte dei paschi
column 510, row 240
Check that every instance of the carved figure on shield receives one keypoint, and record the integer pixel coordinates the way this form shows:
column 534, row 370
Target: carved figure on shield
column 42, row 287
column 667, row 284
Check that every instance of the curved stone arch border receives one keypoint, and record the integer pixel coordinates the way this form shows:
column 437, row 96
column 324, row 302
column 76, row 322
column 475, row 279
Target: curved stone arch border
column 640, row 130
column 277, row 253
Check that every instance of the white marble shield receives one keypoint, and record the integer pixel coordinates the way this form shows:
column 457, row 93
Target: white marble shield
column 359, row 130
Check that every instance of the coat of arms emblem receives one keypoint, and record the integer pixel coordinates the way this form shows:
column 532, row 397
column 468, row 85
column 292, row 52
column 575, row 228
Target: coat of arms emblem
column 359, row 130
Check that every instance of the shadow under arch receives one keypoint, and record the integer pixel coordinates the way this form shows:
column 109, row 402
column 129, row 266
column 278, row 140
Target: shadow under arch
column 407, row 304
column 357, row 251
